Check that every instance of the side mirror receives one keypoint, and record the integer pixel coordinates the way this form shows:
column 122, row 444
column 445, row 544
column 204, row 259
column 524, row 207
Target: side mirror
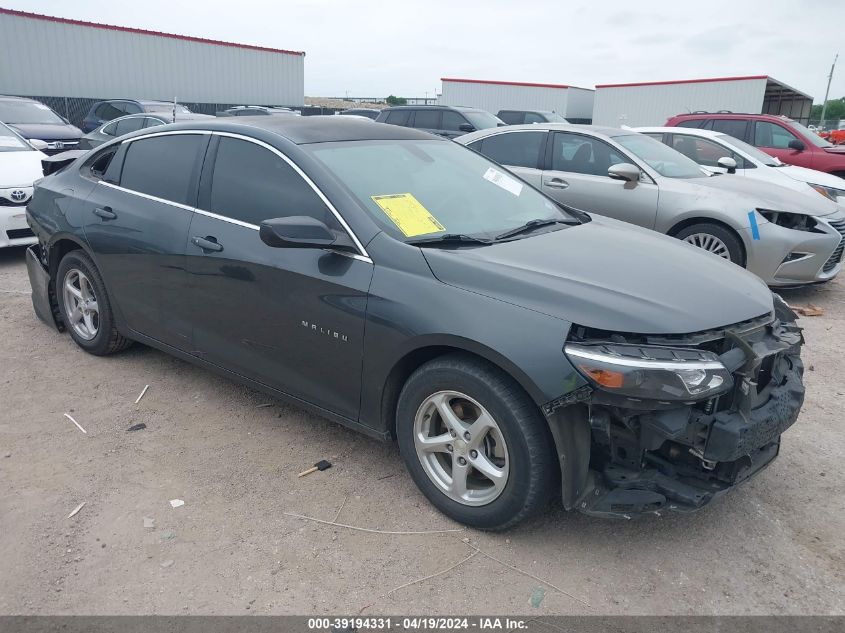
column 726, row 162
column 300, row 231
column 624, row 171
column 38, row 144
column 466, row 127
column 797, row 145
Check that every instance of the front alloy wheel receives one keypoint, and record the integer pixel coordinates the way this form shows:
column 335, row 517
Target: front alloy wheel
column 461, row 448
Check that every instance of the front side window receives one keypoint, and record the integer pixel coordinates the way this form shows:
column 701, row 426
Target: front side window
column 703, row 151
column 518, row 149
column 482, row 120
column 661, row 158
column 583, row 155
column 772, row 135
column 162, row 166
column 441, row 188
column 251, row 184
column 452, row 121
column 427, row 119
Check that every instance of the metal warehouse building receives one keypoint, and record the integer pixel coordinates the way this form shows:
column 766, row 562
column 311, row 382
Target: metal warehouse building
column 575, row 104
column 652, row 103
column 68, row 64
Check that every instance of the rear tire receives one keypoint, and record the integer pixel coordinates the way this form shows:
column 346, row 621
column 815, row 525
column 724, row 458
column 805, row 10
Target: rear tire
column 498, row 466
column 714, row 239
column 85, row 307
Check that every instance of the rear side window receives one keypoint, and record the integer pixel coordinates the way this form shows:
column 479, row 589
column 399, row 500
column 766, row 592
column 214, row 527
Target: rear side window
column 583, row 155
column 518, row 149
column 128, row 125
column 251, row 184
column 162, row 166
column 398, row 117
column 427, row 119
column 731, row 127
column 512, row 118
column 691, row 123
column 107, row 111
column 772, row 135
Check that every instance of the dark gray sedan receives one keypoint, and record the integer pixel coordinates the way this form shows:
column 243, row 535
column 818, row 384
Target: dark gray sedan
column 409, row 288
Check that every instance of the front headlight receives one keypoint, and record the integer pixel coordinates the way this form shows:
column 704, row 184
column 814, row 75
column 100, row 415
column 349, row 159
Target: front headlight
column 794, row 221
column 651, row 373
column 831, row 193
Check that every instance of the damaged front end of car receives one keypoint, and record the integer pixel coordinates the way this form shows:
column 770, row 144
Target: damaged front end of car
column 668, row 423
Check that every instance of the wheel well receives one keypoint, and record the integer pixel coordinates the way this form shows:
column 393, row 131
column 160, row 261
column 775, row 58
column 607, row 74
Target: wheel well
column 680, row 226
column 58, row 251
column 406, row 366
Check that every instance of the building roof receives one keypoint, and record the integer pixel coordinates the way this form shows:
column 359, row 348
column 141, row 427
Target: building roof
column 773, row 86
column 507, row 83
column 126, row 29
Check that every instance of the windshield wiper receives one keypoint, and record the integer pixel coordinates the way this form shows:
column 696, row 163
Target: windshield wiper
column 449, row 238
column 531, row 225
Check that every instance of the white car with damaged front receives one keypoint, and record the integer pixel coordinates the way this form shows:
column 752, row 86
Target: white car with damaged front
column 20, row 166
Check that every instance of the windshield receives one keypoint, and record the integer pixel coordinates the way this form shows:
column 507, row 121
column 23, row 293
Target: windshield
column 423, row 189
column 482, row 120
column 27, row 112
column 663, row 159
column 814, row 138
column 11, row 142
column 752, row 151
column 165, row 107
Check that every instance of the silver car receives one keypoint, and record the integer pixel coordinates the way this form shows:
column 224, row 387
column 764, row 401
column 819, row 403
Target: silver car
column 132, row 123
column 783, row 236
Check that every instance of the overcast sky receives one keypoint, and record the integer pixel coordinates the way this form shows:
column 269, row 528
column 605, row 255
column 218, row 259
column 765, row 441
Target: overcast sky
column 372, row 48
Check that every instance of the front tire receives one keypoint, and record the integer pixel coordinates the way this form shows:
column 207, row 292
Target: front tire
column 474, row 443
column 85, row 306
column 714, row 239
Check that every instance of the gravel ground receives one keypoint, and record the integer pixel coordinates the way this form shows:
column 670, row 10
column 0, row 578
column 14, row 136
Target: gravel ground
column 774, row 546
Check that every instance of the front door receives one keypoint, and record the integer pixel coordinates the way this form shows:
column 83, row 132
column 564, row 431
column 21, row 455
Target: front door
column 577, row 176
column 290, row 318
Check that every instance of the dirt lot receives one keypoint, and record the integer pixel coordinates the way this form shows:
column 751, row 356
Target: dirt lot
column 773, row 546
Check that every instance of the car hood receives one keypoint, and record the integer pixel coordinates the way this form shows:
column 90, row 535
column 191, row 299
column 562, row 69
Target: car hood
column 47, row 131
column 813, row 176
column 767, row 195
column 20, row 169
column 609, row 275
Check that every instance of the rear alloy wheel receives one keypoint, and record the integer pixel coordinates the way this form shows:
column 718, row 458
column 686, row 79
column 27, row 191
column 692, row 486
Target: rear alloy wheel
column 715, row 239
column 85, row 306
column 475, row 443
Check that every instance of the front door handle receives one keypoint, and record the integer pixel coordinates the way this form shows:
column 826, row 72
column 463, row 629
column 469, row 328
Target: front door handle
column 208, row 244
column 556, row 183
column 106, row 213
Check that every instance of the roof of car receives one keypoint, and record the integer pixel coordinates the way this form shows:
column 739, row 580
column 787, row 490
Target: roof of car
column 730, row 115
column 180, row 116
column 310, row 129
column 693, row 131
column 563, row 127
column 431, row 107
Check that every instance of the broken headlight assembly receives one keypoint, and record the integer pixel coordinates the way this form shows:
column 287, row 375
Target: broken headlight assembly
column 651, row 373
column 794, row 221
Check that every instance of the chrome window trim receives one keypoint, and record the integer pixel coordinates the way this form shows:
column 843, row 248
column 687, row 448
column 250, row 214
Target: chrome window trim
column 362, row 256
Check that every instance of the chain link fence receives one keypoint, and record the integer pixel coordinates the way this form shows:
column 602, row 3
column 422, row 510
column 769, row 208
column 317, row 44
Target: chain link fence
column 74, row 109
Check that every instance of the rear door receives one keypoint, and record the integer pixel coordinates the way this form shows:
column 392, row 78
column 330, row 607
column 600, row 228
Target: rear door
column 291, row 318
column 576, row 174
column 428, row 121
column 137, row 226
column 521, row 151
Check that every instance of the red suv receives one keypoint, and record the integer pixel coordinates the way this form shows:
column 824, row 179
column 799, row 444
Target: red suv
column 779, row 136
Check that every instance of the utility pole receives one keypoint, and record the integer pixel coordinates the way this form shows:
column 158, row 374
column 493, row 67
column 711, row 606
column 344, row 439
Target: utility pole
column 827, row 92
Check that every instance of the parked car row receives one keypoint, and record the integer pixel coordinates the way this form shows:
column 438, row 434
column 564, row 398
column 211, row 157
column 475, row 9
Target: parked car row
column 346, row 266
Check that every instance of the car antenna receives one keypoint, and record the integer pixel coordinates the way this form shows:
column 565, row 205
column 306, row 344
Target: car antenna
column 174, row 109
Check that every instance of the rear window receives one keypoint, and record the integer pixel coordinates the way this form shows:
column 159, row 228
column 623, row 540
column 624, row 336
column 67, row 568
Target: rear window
column 162, row 166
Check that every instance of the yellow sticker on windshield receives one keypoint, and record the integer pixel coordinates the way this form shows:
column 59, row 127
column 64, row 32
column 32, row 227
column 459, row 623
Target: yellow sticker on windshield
column 408, row 214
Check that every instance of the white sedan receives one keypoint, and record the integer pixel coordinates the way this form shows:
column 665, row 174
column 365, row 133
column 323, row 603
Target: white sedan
column 20, row 166
column 709, row 148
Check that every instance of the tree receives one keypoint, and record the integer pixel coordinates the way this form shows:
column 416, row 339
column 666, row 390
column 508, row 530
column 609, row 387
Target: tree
column 394, row 101
column 835, row 110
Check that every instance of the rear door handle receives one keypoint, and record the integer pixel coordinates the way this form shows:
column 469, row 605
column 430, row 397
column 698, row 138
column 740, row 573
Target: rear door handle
column 208, row 244
column 556, row 183
column 106, row 213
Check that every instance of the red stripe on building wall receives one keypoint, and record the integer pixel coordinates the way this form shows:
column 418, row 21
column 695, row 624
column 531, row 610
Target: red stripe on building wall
column 126, row 29
column 504, row 83
column 682, row 81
